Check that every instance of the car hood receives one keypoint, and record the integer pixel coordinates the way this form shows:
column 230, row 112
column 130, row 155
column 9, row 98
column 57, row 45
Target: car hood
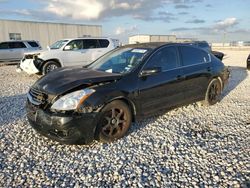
column 65, row 79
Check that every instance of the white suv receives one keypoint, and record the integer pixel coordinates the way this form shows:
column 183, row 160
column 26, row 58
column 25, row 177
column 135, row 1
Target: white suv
column 67, row 52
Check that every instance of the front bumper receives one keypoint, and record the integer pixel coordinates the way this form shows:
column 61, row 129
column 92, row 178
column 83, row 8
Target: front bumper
column 66, row 129
column 28, row 66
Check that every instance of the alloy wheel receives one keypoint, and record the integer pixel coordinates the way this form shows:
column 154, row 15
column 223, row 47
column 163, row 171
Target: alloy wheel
column 115, row 121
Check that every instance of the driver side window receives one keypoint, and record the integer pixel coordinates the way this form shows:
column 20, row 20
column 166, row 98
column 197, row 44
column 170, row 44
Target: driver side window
column 165, row 58
column 74, row 45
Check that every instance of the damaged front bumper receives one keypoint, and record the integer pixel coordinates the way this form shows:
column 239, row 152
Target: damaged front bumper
column 66, row 129
column 30, row 66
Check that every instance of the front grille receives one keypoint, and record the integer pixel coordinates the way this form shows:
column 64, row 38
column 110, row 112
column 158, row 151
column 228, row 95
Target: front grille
column 37, row 97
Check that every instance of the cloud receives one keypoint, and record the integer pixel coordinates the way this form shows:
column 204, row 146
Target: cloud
column 90, row 9
column 183, row 13
column 219, row 27
column 122, row 30
column 96, row 10
column 226, row 24
column 196, row 21
column 161, row 16
column 209, row 6
column 187, row 28
column 182, row 6
column 102, row 9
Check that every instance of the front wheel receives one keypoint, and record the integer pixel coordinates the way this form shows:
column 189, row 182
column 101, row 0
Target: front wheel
column 49, row 66
column 213, row 93
column 114, row 122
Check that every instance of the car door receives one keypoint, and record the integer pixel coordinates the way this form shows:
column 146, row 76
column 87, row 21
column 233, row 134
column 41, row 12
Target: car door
column 162, row 89
column 4, row 51
column 17, row 50
column 73, row 53
column 196, row 68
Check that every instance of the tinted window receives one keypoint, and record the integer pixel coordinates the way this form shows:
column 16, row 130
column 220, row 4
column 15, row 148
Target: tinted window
column 33, row 44
column 192, row 56
column 17, row 45
column 104, row 43
column 75, row 45
column 165, row 58
column 4, row 45
column 90, row 43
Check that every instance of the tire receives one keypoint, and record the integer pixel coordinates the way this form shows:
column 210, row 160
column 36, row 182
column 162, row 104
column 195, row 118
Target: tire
column 115, row 121
column 248, row 66
column 49, row 66
column 213, row 92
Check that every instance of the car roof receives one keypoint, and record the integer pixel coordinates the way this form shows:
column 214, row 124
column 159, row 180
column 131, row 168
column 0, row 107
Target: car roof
column 151, row 45
column 19, row 41
column 154, row 45
column 87, row 38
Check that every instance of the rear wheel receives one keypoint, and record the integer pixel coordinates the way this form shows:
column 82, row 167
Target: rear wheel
column 114, row 122
column 49, row 66
column 213, row 93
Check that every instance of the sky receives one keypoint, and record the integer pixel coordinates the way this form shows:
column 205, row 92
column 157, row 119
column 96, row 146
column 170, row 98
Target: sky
column 211, row 20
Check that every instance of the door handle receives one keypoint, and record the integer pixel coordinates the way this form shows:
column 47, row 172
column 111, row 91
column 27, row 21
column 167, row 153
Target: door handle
column 209, row 69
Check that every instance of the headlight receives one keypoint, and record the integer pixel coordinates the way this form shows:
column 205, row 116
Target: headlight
column 72, row 100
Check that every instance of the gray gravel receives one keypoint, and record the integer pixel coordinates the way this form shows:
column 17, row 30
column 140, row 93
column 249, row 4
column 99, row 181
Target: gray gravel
column 192, row 146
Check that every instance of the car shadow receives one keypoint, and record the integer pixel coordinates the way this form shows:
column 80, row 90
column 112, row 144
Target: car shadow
column 12, row 108
column 237, row 75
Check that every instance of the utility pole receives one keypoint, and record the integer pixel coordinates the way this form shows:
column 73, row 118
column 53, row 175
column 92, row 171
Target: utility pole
column 224, row 38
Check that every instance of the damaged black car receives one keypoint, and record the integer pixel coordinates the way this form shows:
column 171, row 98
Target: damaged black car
column 76, row 105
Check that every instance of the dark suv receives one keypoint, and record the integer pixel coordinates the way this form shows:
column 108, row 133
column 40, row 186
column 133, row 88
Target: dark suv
column 79, row 104
column 14, row 50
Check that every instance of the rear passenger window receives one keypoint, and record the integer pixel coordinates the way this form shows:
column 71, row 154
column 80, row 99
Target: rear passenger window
column 17, row 45
column 4, row 45
column 90, row 43
column 192, row 56
column 104, row 43
column 33, row 44
column 165, row 58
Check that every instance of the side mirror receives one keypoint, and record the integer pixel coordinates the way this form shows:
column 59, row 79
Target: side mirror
column 150, row 71
column 48, row 47
column 67, row 48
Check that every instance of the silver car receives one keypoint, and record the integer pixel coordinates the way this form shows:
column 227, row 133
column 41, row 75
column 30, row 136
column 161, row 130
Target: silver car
column 14, row 50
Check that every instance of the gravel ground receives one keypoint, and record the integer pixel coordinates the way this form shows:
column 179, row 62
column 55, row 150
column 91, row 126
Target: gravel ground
column 191, row 146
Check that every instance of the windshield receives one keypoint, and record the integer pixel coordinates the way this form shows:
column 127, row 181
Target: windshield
column 58, row 44
column 121, row 61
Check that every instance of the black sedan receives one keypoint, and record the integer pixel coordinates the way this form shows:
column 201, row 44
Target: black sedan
column 76, row 105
